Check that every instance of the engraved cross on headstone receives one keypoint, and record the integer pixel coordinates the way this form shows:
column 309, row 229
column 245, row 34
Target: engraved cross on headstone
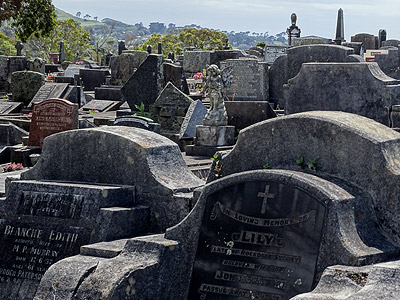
column 266, row 195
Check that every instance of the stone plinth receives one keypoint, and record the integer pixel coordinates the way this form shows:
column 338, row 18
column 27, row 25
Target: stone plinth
column 215, row 135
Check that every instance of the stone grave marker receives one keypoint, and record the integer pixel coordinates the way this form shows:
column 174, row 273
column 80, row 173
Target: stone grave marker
column 194, row 116
column 138, row 122
column 250, row 79
column 170, row 108
column 101, row 105
column 50, row 90
column 273, row 52
column 258, row 239
column 52, row 116
column 146, row 83
column 25, row 85
column 10, row 107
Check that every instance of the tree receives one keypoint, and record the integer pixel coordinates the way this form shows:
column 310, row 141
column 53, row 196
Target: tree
column 7, row 45
column 78, row 14
column 95, row 18
column 28, row 17
column 76, row 40
column 87, row 16
column 176, row 41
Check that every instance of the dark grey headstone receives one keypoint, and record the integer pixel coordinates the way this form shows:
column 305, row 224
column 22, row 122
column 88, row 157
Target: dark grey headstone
column 92, row 78
column 73, row 70
column 50, row 90
column 145, row 84
column 10, row 107
column 100, row 105
column 260, row 239
column 42, row 223
column 138, row 122
column 194, row 116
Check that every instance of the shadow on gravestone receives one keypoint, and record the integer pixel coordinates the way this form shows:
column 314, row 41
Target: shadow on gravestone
column 145, row 84
column 266, row 234
column 360, row 88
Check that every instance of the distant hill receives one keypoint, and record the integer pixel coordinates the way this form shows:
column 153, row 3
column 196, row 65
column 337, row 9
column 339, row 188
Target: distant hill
column 63, row 15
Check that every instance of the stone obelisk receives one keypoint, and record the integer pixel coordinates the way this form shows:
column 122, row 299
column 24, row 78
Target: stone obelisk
column 340, row 28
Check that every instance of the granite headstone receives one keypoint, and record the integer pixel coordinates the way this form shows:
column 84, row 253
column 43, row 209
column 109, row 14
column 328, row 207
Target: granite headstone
column 52, row 116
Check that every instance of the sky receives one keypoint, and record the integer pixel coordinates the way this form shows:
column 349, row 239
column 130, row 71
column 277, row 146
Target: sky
column 314, row 17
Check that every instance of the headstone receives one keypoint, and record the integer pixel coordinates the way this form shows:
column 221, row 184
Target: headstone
column 121, row 47
column 246, row 244
column 171, row 56
column 38, row 65
column 381, row 37
column 138, row 122
column 101, row 105
column 25, row 85
column 196, row 61
column 10, row 107
column 147, row 165
column 273, row 52
column 289, row 65
column 44, row 223
column 51, row 116
column 170, row 108
column 174, row 74
column 393, row 43
column 50, row 90
column 145, row 84
column 390, row 62
column 311, row 90
column 123, row 66
column 339, row 38
column 19, row 46
column 73, row 69
column 92, row 78
column 369, row 40
column 159, row 48
column 62, row 52
column 108, row 92
column 194, row 116
column 149, row 49
column 250, row 79
column 242, row 114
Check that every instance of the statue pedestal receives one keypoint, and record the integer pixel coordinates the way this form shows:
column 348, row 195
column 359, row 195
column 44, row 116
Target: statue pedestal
column 211, row 139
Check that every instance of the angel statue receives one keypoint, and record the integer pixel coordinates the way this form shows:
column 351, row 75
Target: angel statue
column 215, row 88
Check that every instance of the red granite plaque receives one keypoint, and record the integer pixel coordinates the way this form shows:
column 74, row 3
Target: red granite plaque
column 52, row 116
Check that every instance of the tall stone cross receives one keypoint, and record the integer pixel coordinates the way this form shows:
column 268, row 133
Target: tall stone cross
column 266, row 195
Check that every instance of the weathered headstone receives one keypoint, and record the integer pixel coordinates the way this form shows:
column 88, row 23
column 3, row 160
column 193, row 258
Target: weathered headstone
column 50, row 90
column 38, row 65
column 145, row 84
column 288, row 66
column 196, row 61
column 52, row 116
column 121, row 47
column 10, row 107
column 92, row 78
column 312, row 90
column 273, row 52
column 25, row 85
column 101, row 105
column 138, row 122
column 173, row 73
column 19, row 46
column 194, row 116
column 170, row 108
column 250, row 79
column 123, row 66
column 369, row 40
column 42, row 223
